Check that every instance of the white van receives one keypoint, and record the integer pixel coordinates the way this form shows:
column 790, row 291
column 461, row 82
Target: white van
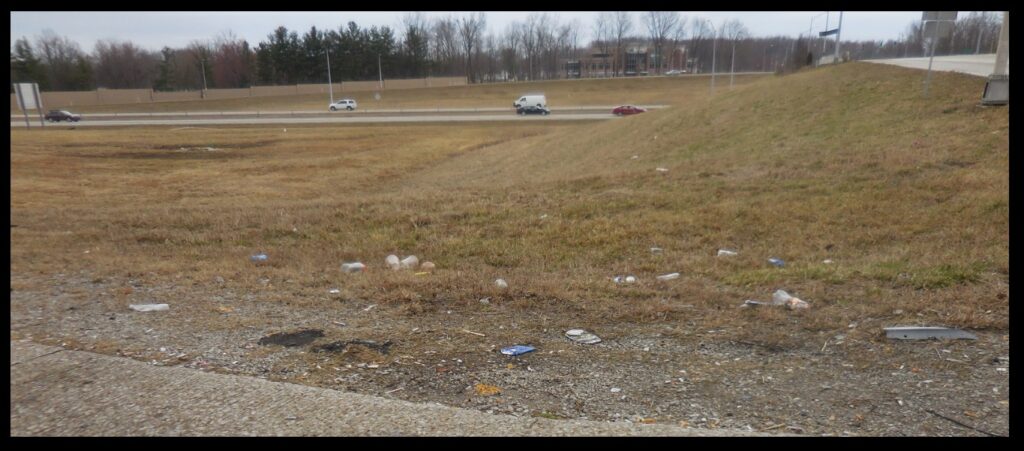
column 532, row 101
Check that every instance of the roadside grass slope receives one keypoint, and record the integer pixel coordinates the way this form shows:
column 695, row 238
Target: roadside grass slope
column 908, row 196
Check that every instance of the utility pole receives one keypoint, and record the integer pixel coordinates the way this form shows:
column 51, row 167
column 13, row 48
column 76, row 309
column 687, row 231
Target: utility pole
column 935, row 40
column 732, row 66
column 330, row 86
column 714, row 49
column 981, row 31
column 379, row 72
column 839, row 31
column 203, row 65
column 823, row 40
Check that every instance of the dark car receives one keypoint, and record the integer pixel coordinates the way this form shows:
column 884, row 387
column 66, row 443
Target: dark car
column 627, row 109
column 525, row 109
column 61, row 115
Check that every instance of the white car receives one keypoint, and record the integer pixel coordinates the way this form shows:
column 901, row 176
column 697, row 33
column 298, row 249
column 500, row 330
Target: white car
column 343, row 104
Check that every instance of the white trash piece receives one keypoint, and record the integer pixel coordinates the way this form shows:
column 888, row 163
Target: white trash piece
column 827, row 261
column 149, row 307
column 353, row 267
column 582, row 336
column 410, row 262
column 782, row 298
column 661, row 169
column 656, row 250
column 334, row 291
column 665, row 277
column 427, row 266
column 392, row 262
column 624, row 279
column 501, row 283
column 727, row 253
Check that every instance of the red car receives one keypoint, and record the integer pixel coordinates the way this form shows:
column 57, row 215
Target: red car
column 627, row 109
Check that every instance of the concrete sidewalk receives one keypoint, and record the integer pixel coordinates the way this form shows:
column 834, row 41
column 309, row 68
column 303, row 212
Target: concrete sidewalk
column 56, row 392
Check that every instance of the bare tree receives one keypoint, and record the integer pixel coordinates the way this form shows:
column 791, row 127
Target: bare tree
column 527, row 33
column 661, row 25
column 470, row 33
column 622, row 25
column 446, row 48
column 603, row 34
column 61, row 58
column 700, row 34
column 510, row 50
column 124, row 65
column 733, row 30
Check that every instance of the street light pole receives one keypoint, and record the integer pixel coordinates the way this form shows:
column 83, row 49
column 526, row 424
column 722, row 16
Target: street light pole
column 839, row 31
column 330, row 85
column 714, row 50
column 379, row 72
column 203, row 66
column 732, row 66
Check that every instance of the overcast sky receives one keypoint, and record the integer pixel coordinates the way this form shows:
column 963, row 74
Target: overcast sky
column 154, row 30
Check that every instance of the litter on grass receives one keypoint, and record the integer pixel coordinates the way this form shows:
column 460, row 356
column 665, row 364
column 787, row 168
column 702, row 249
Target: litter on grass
column 149, row 307
column 776, row 262
column 517, row 350
column 353, row 267
column 501, row 283
column 667, row 277
column 624, row 279
column 261, row 257
column 727, row 253
column 582, row 336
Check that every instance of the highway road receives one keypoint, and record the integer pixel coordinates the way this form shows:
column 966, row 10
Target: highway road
column 507, row 117
column 980, row 65
column 324, row 117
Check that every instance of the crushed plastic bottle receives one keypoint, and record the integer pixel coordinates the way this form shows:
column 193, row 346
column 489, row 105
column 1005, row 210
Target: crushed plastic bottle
column 727, row 253
column 261, row 257
column 666, row 277
column 353, row 267
column 410, row 262
column 148, row 306
column 777, row 262
column 780, row 297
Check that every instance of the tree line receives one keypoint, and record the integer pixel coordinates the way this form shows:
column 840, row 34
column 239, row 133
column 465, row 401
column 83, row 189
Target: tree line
column 535, row 48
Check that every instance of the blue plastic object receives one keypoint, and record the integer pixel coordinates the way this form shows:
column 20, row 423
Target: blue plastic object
column 517, row 350
column 777, row 262
column 259, row 258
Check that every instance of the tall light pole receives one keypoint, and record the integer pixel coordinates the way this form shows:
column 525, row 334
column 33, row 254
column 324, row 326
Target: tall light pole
column 732, row 66
column 380, row 73
column 330, row 85
column 839, row 31
column 202, row 64
column 714, row 49
column 810, row 31
column 823, row 41
column 981, row 32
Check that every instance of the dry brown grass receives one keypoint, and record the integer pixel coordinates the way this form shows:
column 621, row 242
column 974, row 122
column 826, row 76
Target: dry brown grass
column 646, row 90
column 908, row 196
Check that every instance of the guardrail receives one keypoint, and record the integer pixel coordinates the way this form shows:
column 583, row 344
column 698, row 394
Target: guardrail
column 311, row 112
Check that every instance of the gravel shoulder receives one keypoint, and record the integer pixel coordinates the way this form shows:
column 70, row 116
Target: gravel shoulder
column 685, row 374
